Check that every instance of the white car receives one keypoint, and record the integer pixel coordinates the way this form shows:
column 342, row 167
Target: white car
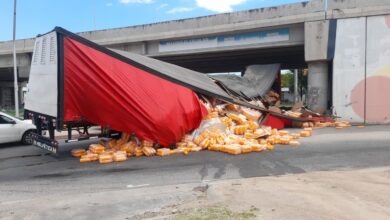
column 13, row 129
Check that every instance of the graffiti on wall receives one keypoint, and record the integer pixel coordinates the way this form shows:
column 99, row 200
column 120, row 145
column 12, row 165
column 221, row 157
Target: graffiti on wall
column 313, row 95
column 377, row 99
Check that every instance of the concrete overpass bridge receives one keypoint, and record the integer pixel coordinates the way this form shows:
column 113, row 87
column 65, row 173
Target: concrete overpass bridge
column 296, row 35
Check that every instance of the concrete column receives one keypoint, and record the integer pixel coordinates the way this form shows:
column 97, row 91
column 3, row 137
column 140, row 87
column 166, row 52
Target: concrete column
column 318, row 86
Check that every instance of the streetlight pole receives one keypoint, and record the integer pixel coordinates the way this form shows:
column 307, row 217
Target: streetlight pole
column 15, row 68
column 94, row 15
column 296, row 85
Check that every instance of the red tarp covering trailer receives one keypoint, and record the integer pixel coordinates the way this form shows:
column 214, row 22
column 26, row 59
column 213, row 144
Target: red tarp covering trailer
column 106, row 91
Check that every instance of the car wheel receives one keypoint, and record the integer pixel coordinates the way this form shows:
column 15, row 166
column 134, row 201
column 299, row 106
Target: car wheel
column 27, row 137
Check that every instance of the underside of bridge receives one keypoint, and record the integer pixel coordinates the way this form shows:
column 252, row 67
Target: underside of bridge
column 236, row 61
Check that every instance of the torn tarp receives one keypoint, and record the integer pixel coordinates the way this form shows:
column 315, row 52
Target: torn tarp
column 257, row 80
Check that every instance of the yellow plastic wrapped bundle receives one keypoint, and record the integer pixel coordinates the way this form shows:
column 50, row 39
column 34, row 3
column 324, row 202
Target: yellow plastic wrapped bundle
column 295, row 136
column 200, row 138
column 213, row 114
column 259, row 133
column 258, row 147
column 205, row 143
column 273, row 139
column 240, row 129
column 246, row 148
column 232, row 139
column 252, row 125
column 103, row 159
column 184, row 150
column 263, row 141
column 215, row 147
column 251, row 141
column 119, row 156
column 250, row 114
column 163, row 152
column 180, row 150
column 305, row 133
column 285, row 140
column 92, row 156
column 138, row 151
column 129, row 147
column 85, row 159
column 78, row 152
column 283, row 133
column 232, row 107
column 270, row 147
column 96, row 148
column 107, row 152
column 342, row 124
column 206, row 138
column 232, row 149
column 191, row 145
column 239, row 119
column 181, row 144
column 249, row 135
column 149, row 151
column 195, row 149
column 227, row 121
column 146, row 143
column 242, row 141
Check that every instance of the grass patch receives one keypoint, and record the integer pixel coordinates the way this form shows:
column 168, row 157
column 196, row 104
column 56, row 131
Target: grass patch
column 217, row 212
column 12, row 112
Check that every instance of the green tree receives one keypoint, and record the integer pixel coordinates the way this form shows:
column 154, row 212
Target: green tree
column 288, row 81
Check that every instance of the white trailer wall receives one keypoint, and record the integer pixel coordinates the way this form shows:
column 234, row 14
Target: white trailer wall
column 43, row 77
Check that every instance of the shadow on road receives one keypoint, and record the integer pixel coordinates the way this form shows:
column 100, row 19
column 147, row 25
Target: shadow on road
column 15, row 144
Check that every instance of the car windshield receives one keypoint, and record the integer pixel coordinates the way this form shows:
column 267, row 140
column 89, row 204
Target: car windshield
column 9, row 116
column 5, row 120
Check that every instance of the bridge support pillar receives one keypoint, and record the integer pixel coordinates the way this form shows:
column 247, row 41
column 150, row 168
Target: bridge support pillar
column 318, row 86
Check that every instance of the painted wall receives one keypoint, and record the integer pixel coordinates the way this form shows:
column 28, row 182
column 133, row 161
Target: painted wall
column 361, row 69
column 378, row 69
column 348, row 67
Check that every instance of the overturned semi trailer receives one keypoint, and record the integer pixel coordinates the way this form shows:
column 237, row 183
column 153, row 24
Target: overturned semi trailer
column 77, row 83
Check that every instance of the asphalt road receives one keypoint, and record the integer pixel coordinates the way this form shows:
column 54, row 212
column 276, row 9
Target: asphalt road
column 37, row 185
column 31, row 169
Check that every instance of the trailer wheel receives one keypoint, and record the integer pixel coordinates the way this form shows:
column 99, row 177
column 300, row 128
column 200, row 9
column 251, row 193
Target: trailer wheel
column 27, row 137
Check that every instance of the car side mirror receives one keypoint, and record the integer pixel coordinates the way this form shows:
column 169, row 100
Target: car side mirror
column 13, row 122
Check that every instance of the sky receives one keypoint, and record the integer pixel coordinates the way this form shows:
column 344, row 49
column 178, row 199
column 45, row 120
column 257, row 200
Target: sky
column 40, row 16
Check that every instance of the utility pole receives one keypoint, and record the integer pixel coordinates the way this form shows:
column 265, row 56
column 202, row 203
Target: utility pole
column 94, row 15
column 296, row 85
column 15, row 67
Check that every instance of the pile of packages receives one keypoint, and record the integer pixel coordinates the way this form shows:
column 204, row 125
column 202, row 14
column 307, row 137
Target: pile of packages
column 271, row 101
column 227, row 128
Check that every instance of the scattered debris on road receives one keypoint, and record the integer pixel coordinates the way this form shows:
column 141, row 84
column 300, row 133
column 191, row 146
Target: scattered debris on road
column 227, row 128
